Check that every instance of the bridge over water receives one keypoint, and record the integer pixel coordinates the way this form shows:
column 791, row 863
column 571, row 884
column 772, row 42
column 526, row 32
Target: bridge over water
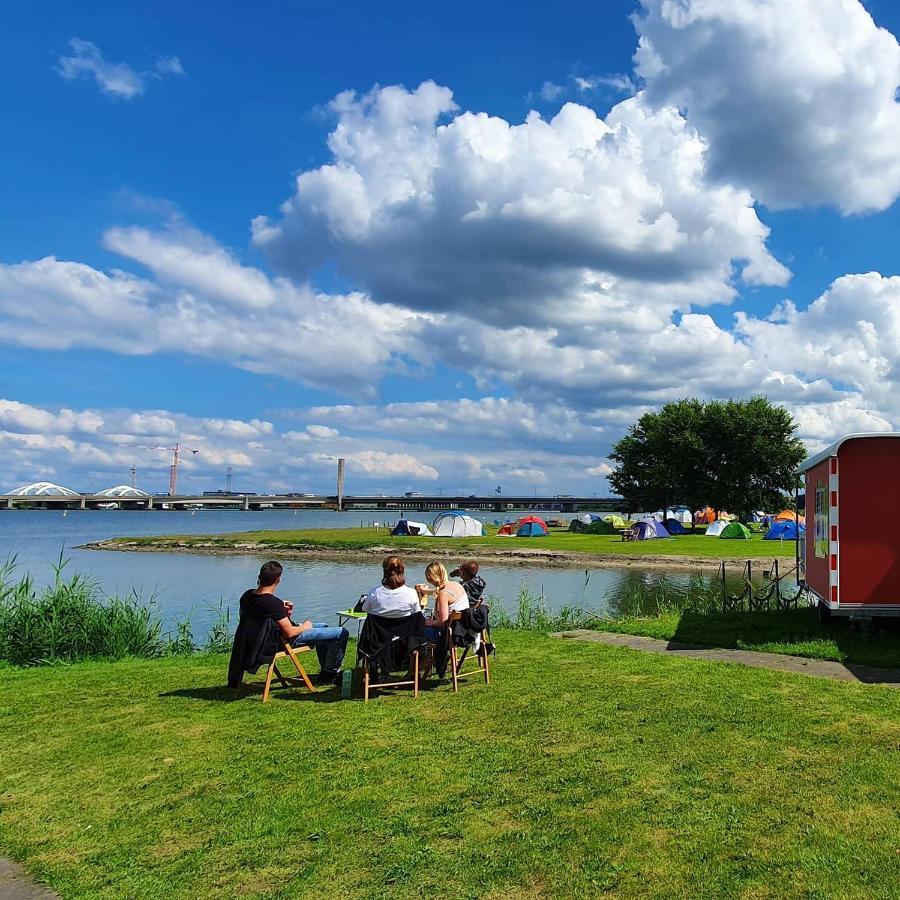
column 401, row 503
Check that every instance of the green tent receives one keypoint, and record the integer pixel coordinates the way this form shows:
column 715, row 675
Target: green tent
column 600, row 527
column 615, row 521
column 734, row 531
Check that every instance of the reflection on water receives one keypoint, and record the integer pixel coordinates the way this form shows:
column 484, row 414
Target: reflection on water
column 187, row 584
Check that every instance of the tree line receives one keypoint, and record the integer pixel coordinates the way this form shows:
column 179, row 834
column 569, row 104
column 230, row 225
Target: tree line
column 734, row 455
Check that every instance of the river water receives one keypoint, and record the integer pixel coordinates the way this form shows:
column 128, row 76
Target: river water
column 195, row 586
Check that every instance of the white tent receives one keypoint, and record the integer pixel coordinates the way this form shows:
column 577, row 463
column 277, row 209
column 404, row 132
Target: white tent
column 679, row 513
column 456, row 524
column 408, row 527
column 716, row 528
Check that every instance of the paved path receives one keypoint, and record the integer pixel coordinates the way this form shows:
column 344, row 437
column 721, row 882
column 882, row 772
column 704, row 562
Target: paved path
column 818, row 668
column 16, row 885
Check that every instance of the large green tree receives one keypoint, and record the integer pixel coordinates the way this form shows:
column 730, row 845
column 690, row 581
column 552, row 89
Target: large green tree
column 738, row 455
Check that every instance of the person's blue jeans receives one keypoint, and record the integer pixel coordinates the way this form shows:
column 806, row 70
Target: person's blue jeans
column 433, row 633
column 330, row 643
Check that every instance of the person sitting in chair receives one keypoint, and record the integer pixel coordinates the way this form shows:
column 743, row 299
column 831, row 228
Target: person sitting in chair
column 261, row 603
column 392, row 598
column 449, row 596
column 472, row 582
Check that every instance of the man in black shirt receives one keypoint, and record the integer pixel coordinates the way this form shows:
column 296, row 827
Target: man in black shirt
column 330, row 642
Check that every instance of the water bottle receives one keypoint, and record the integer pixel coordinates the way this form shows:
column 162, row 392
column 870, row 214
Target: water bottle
column 347, row 684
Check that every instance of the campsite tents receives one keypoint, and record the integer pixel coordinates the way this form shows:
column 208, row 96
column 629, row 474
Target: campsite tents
column 673, row 526
column 615, row 521
column 788, row 515
column 705, row 516
column 658, row 527
column 734, row 531
column 587, row 518
column 506, row 530
column 532, row 526
column 599, row 527
column 405, row 528
column 681, row 514
column 456, row 524
column 643, row 531
column 784, row 530
column 716, row 528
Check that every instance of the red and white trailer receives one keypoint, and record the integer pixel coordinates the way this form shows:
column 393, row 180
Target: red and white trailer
column 852, row 544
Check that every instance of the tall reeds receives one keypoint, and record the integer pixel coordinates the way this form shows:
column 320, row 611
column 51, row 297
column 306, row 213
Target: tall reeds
column 72, row 619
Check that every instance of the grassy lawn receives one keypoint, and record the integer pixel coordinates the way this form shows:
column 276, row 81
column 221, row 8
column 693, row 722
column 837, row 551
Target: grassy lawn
column 794, row 632
column 581, row 770
column 692, row 545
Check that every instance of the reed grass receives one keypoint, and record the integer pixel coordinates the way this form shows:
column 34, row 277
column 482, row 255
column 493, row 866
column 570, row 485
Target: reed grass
column 72, row 619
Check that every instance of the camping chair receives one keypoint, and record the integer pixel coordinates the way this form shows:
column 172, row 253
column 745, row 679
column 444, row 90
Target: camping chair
column 375, row 660
column 291, row 652
column 629, row 534
column 456, row 664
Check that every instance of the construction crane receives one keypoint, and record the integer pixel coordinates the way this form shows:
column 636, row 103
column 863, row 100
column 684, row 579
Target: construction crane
column 173, row 469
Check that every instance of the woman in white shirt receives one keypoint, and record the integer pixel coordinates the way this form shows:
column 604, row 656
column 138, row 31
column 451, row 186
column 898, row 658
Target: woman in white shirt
column 449, row 597
column 392, row 598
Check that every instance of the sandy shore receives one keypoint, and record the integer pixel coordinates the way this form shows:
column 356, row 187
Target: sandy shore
column 504, row 555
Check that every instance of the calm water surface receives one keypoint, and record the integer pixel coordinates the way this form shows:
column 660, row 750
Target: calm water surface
column 187, row 584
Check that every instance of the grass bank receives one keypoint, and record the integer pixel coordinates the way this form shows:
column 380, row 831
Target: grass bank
column 367, row 540
column 795, row 632
column 588, row 770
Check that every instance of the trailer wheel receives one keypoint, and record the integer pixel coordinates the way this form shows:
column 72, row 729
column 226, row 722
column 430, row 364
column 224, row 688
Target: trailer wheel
column 824, row 613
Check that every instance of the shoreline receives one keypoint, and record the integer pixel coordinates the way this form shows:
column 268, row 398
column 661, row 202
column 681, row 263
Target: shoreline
column 505, row 556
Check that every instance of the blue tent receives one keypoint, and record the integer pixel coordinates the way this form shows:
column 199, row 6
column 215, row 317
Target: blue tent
column 783, row 530
column 644, row 531
column 532, row 529
column 405, row 528
column 673, row 526
column 657, row 527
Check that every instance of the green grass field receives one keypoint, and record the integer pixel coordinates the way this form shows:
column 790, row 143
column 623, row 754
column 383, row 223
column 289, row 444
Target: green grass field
column 582, row 770
column 794, row 632
column 690, row 545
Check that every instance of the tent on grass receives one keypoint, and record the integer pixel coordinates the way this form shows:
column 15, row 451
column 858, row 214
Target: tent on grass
column 705, row 516
column 643, row 531
column 785, row 530
column 716, row 528
column 658, row 527
column 587, row 518
column 532, row 526
column 506, row 530
column 406, row 528
column 734, row 531
column 615, row 521
column 673, row 526
column 599, row 527
column 456, row 524
column 788, row 515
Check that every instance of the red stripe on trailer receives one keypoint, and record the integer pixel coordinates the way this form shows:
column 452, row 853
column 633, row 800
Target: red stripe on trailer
column 834, row 498
column 834, row 593
column 834, row 533
column 834, row 465
column 834, row 562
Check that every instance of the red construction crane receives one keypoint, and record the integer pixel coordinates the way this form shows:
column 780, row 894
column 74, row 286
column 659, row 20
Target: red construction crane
column 173, row 469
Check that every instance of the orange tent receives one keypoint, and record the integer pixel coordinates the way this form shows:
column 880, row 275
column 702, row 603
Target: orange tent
column 705, row 516
column 788, row 515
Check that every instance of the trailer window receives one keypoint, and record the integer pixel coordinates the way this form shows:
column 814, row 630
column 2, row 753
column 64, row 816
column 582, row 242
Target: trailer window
column 821, row 520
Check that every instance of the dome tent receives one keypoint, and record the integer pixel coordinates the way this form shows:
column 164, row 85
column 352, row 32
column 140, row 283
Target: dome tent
column 658, row 527
column 456, row 524
column 716, row 528
column 735, row 531
column 784, row 530
column 673, row 526
column 599, row 527
column 406, row 528
column 644, row 531
column 532, row 526
column 788, row 515
column 615, row 521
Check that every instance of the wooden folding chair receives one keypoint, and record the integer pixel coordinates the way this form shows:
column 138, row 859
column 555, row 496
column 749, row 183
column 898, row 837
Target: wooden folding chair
column 456, row 665
column 368, row 685
column 291, row 652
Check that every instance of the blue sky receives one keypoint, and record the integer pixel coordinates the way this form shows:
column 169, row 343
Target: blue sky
column 451, row 294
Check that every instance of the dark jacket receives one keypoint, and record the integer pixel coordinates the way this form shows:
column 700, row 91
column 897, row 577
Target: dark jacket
column 474, row 589
column 256, row 641
column 385, row 643
column 471, row 623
